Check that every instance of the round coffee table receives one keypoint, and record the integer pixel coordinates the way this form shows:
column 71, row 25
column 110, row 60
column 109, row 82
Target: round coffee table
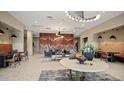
column 89, row 66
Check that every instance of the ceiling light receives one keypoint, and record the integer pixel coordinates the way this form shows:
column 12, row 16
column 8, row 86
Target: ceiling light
column 94, row 19
column 91, row 20
column 88, row 20
column 70, row 16
column 76, row 20
column 84, row 20
column 35, row 22
column 58, row 34
column 66, row 11
column 80, row 20
column 79, row 16
column 98, row 16
column 49, row 17
column 103, row 11
column 67, row 14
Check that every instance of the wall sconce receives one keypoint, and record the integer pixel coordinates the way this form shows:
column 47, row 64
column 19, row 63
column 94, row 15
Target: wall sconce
column 112, row 37
column 99, row 37
column 1, row 32
column 13, row 36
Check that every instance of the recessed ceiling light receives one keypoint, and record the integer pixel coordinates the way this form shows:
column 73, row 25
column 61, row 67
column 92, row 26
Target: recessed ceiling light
column 49, row 17
column 48, row 28
column 78, row 28
column 64, row 29
column 35, row 22
column 37, row 25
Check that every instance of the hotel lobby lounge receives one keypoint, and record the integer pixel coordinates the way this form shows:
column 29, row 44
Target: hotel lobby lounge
column 61, row 46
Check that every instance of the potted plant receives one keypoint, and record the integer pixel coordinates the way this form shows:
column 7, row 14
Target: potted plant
column 88, row 50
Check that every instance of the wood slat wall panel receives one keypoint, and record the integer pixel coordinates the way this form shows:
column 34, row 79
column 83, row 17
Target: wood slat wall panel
column 5, row 48
column 112, row 46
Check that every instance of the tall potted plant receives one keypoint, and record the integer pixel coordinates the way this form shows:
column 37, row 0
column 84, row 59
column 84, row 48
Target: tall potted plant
column 88, row 50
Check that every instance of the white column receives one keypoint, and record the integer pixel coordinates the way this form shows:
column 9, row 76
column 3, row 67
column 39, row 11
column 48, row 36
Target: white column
column 18, row 43
column 29, row 43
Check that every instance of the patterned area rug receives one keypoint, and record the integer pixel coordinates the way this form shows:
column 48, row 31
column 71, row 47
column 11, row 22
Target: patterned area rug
column 63, row 75
column 48, row 60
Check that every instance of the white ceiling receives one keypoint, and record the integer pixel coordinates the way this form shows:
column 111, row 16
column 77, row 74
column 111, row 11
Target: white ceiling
column 38, row 21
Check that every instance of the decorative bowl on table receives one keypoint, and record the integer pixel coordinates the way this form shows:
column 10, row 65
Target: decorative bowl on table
column 81, row 60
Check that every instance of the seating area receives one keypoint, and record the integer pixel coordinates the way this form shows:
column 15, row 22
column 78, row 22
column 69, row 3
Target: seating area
column 58, row 54
column 113, row 57
column 54, row 45
column 12, row 58
column 120, row 56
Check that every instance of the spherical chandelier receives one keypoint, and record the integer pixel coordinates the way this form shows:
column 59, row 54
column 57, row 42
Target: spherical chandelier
column 79, row 16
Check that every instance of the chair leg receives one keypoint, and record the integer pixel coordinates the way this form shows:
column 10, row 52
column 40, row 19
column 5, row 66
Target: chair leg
column 10, row 64
column 19, row 63
column 15, row 65
column 27, row 57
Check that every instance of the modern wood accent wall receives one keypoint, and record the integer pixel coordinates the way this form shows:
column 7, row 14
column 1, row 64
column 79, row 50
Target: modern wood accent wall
column 5, row 48
column 49, row 39
column 112, row 46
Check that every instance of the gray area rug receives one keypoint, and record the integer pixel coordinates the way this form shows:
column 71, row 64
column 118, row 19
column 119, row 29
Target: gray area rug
column 63, row 75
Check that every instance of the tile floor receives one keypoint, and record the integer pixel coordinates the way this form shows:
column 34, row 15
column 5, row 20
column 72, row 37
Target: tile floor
column 30, row 70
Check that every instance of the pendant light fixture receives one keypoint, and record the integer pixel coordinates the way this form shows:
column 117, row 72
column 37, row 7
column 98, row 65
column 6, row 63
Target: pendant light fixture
column 79, row 16
column 59, row 36
column 1, row 32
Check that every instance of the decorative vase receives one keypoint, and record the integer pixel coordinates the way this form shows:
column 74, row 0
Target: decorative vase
column 89, row 56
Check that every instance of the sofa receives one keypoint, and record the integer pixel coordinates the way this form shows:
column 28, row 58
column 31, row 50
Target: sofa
column 120, row 56
column 48, row 53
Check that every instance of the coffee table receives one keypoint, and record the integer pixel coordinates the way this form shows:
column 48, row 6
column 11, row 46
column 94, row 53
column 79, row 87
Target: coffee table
column 89, row 66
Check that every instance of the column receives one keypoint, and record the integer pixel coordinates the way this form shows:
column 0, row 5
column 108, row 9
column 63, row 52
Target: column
column 29, row 43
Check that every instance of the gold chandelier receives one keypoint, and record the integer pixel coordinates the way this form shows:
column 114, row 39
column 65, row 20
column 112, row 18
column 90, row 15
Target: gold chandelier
column 59, row 36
